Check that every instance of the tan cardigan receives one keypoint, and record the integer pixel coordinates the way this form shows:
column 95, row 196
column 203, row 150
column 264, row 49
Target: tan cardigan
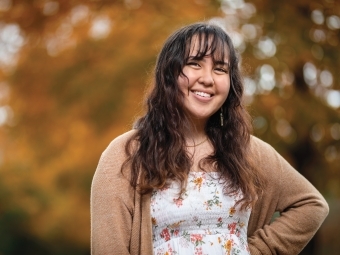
column 121, row 221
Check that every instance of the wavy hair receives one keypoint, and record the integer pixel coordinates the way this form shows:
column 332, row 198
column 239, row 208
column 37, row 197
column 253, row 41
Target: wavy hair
column 156, row 152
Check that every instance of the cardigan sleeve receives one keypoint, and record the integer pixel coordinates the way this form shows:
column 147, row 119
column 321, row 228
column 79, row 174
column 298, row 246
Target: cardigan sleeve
column 302, row 209
column 111, row 204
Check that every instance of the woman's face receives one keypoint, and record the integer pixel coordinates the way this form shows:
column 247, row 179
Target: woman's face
column 206, row 85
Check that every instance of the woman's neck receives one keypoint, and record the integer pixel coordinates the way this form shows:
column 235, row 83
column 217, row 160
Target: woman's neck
column 196, row 133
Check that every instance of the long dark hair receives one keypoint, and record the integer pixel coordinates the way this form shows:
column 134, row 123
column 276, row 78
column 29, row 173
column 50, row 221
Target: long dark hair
column 156, row 152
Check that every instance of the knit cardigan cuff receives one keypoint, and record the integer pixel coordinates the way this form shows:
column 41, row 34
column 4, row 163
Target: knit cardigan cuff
column 254, row 251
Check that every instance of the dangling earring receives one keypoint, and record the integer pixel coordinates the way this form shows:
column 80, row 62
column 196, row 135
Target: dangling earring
column 221, row 118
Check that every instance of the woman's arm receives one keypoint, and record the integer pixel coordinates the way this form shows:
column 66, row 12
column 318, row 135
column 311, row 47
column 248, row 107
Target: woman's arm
column 111, row 204
column 302, row 209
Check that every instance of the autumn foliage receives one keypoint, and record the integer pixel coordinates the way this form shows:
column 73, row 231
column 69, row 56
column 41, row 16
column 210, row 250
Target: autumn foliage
column 76, row 75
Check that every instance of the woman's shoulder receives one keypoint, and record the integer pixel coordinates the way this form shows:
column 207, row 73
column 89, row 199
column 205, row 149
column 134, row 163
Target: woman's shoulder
column 259, row 146
column 264, row 155
column 117, row 145
column 115, row 153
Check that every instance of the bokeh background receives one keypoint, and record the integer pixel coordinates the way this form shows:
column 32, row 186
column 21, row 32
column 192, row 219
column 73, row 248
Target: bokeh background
column 73, row 76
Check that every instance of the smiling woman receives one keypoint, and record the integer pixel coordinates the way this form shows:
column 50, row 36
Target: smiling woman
column 190, row 178
column 204, row 81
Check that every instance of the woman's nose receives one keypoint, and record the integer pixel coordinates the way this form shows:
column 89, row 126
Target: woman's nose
column 206, row 78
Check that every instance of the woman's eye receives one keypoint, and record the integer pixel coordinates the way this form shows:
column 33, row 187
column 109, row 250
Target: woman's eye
column 221, row 70
column 193, row 64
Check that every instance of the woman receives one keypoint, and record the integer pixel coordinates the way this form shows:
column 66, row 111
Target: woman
column 190, row 178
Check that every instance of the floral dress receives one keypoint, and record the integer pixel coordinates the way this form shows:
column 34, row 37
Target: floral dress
column 202, row 221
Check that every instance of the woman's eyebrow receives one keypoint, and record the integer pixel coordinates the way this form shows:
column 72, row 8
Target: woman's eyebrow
column 194, row 58
column 221, row 63
column 218, row 62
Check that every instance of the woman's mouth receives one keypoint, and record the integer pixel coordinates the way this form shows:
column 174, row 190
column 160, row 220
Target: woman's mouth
column 202, row 94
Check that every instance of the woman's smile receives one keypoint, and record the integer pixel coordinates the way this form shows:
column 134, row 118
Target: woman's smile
column 202, row 94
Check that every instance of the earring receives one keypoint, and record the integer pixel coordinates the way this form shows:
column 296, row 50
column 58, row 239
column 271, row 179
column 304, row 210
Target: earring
column 221, row 118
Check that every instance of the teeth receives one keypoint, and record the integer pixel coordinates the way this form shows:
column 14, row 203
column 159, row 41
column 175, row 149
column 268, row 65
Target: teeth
column 202, row 94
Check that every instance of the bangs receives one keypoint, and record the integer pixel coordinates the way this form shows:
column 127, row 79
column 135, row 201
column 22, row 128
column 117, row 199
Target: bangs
column 207, row 41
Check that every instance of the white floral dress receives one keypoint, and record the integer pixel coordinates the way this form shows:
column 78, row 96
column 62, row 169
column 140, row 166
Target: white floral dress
column 202, row 221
